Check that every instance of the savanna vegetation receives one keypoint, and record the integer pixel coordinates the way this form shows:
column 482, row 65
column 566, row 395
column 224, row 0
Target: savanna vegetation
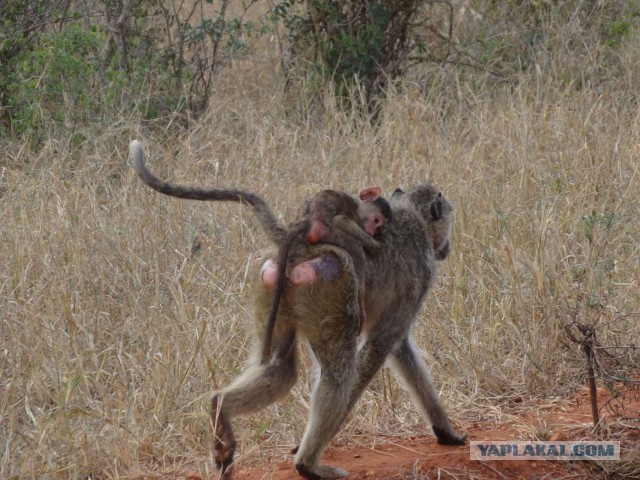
column 121, row 309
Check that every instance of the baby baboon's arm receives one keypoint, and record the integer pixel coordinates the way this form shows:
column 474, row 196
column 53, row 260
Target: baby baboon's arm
column 353, row 230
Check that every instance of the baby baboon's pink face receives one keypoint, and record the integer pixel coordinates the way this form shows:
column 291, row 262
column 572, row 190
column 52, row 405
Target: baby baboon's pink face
column 374, row 224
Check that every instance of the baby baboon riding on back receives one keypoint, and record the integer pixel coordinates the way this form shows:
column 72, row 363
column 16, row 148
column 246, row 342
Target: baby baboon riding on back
column 335, row 218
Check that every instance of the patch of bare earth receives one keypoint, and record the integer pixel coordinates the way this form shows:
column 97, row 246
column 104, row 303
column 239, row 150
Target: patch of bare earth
column 420, row 457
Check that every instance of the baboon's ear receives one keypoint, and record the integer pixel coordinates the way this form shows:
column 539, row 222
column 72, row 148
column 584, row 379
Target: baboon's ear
column 370, row 194
column 436, row 207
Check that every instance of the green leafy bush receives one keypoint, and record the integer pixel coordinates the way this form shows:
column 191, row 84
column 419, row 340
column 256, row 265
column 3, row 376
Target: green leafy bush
column 65, row 65
column 53, row 79
column 356, row 43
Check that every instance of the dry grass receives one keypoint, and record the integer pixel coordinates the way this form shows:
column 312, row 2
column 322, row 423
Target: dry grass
column 112, row 336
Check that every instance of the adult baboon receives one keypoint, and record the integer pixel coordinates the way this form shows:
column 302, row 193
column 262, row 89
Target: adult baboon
column 319, row 308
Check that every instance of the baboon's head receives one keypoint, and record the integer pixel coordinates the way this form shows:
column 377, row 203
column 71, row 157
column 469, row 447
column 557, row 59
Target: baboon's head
column 437, row 213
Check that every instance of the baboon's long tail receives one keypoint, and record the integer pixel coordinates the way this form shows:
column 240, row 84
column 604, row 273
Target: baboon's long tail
column 276, row 232
column 279, row 290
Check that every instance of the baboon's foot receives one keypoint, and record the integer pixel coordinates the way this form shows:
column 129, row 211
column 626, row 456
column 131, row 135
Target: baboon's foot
column 320, row 472
column 223, row 457
column 448, row 436
column 224, row 445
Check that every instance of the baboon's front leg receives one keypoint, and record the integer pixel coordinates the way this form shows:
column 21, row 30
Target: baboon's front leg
column 348, row 227
column 408, row 364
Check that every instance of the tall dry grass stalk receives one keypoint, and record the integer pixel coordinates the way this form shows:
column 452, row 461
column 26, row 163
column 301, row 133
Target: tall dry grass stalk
column 113, row 333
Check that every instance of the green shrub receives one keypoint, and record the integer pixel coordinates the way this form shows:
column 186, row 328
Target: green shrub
column 53, row 79
column 65, row 66
column 354, row 43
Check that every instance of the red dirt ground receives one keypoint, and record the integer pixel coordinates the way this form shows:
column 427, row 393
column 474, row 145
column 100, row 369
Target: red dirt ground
column 400, row 458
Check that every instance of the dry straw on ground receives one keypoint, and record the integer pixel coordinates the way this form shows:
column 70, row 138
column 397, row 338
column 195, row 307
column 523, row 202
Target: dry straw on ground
column 113, row 334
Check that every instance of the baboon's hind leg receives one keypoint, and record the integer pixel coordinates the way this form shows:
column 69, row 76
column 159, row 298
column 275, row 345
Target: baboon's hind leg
column 329, row 408
column 259, row 386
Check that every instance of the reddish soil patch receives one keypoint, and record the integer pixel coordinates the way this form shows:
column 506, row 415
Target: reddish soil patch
column 400, row 458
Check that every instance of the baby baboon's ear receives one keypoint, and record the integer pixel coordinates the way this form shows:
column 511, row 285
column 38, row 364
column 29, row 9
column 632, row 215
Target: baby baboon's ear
column 370, row 194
